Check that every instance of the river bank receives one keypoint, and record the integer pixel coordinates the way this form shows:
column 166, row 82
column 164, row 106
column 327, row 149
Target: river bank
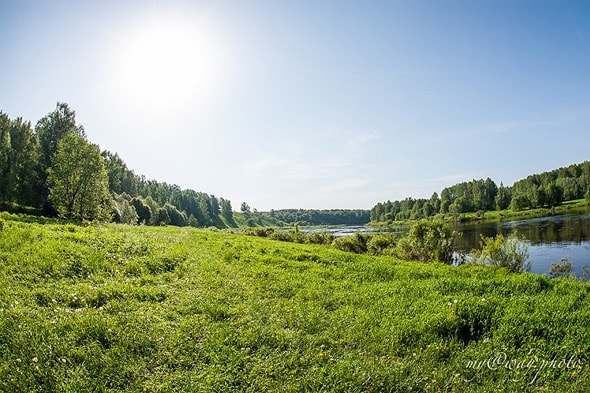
column 570, row 207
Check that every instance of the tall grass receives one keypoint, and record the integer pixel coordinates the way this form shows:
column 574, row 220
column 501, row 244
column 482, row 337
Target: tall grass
column 115, row 308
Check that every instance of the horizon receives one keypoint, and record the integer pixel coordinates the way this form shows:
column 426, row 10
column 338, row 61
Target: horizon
column 315, row 105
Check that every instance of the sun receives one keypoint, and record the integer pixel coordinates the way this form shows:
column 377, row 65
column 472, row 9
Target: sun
column 168, row 63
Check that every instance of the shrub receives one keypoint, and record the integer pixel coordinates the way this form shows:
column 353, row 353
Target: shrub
column 380, row 244
column 427, row 241
column 259, row 231
column 319, row 238
column 510, row 252
column 563, row 268
column 287, row 236
column 356, row 243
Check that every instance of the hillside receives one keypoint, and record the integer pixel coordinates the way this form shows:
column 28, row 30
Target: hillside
column 127, row 308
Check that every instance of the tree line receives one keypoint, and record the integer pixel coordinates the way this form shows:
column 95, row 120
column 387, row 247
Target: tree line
column 322, row 217
column 544, row 190
column 52, row 169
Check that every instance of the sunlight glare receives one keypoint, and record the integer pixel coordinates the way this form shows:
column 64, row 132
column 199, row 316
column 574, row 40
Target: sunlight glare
column 168, row 65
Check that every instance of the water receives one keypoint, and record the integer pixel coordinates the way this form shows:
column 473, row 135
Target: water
column 550, row 239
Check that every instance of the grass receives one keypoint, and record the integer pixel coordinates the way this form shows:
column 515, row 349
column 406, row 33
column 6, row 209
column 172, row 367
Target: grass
column 111, row 308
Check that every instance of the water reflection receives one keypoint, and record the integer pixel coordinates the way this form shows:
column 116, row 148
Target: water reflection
column 550, row 239
column 573, row 228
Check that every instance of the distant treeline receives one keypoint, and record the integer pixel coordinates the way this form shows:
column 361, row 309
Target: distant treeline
column 543, row 190
column 45, row 170
column 321, row 217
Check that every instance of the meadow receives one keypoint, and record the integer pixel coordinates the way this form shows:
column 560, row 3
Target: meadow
column 109, row 308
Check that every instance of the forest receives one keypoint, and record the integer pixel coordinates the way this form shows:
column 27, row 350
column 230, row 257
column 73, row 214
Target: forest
column 52, row 169
column 321, row 217
column 544, row 190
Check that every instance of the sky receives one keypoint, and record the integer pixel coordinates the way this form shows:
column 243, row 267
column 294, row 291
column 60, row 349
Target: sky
column 310, row 104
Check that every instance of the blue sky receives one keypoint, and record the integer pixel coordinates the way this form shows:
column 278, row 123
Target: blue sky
column 310, row 104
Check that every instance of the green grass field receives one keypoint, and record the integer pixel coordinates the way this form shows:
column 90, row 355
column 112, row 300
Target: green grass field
column 107, row 308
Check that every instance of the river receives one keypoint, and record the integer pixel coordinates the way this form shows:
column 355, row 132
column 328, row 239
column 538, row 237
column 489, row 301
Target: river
column 550, row 239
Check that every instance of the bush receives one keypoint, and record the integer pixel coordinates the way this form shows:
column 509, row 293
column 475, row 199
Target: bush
column 380, row 244
column 259, row 231
column 287, row 236
column 427, row 241
column 356, row 243
column 319, row 238
column 563, row 268
column 510, row 252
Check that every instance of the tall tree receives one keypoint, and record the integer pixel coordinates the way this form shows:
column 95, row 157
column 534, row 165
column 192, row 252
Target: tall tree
column 227, row 211
column 503, row 197
column 23, row 159
column 5, row 149
column 78, row 181
column 50, row 130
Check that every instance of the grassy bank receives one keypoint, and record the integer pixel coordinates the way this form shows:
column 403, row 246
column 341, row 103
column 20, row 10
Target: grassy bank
column 117, row 308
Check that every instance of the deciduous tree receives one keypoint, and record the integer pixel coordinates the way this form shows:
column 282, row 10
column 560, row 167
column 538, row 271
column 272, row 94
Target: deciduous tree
column 78, row 181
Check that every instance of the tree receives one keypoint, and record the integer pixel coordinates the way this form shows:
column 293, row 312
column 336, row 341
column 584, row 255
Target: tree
column 50, row 130
column 124, row 211
column 226, row 211
column 143, row 210
column 245, row 208
column 503, row 198
column 435, row 202
column 5, row 148
column 554, row 195
column 121, row 179
column 55, row 126
column 77, row 180
column 176, row 217
column 25, row 178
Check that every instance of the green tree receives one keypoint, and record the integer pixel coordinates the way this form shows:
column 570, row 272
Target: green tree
column 5, row 149
column 176, row 217
column 50, row 130
column 121, row 179
column 554, row 195
column 77, row 180
column 571, row 188
column 227, row 211
column 244, row 208
column 142, row 209
column 124, row 212
column 502, row 198
column 435, row 202
column 25, row 178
